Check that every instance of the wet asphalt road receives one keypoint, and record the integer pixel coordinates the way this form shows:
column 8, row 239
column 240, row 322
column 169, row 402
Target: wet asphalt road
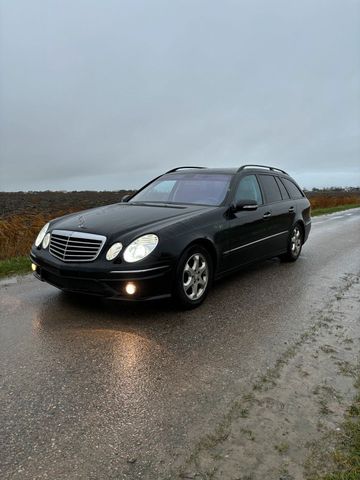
column 95, row 390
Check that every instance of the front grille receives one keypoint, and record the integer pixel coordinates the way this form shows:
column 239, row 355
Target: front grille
column 75, row 246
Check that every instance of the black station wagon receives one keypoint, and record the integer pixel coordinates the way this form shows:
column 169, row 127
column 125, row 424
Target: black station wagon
column 176, row 235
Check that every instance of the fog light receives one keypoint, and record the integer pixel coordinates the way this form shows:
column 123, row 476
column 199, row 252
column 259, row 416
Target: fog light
column 130, row 288
column 33, row 267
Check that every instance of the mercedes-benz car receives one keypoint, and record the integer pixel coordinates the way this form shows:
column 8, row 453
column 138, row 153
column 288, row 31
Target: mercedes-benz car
column 176, row 235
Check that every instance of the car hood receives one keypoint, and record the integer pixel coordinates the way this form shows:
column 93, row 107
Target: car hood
column 120, row 219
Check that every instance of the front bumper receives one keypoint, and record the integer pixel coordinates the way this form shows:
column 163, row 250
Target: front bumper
column 152, row 282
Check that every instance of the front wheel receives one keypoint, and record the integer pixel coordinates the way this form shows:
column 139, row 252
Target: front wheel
column 193, row 277
column 295, row 243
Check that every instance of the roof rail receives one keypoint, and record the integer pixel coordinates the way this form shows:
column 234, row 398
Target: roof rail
column 261, row 166
column 180, row 168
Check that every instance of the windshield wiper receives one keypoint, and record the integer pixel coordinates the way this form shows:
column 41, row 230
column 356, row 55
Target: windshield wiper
column 157, row 204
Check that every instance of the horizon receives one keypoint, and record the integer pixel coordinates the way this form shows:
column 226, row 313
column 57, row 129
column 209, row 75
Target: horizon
column 333, row 188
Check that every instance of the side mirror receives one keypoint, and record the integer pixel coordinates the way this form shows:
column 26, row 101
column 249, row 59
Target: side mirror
column 244, row 205
column 125, row 198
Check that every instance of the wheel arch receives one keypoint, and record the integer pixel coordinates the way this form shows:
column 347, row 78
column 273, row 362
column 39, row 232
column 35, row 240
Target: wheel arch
column 301, row 224
column 209, row 246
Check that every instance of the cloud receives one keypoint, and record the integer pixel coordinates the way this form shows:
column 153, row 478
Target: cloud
column 107, row 95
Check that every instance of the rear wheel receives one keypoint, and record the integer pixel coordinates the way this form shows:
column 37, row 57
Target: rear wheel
column 193, row 277
column 295, row 243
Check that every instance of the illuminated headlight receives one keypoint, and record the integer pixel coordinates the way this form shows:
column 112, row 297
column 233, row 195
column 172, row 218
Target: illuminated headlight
column 41, row 235
column 140, row 248
column 113, row 251
column 46, row 241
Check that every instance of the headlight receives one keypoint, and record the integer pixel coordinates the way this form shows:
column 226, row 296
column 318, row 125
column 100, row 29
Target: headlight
column 46, row 241
column 140, row 248
column 41, row 235
column 113, row 251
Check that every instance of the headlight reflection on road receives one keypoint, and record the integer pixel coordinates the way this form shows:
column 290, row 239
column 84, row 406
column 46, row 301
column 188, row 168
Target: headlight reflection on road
column 128, row 359
column 130, row 351
column 123, row 352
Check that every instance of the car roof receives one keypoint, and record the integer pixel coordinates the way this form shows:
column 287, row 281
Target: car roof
column 204, row 170
column 228, row 170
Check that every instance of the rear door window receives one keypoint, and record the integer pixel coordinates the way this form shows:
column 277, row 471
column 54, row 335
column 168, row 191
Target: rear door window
column 271, row 189
column 293, row 190
column 283, row 190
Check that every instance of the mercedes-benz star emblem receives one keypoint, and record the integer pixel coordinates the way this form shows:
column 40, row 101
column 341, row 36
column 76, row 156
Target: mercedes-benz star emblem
column 81, row 222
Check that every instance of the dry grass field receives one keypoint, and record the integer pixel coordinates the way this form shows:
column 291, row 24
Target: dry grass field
column 333, row 198
column 17, row 233
column 22, row 215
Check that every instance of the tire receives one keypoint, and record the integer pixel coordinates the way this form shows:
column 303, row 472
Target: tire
column 295, row 243
column 193, row 277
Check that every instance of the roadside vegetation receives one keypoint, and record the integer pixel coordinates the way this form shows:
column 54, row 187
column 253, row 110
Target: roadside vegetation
column 333, row 200
column 14, row 266
column 23, row 214
column 346, row 450
column 339, row 208
column 347, row 456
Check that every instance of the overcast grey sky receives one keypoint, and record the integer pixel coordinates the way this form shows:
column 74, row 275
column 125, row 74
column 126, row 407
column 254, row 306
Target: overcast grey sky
column 105, row 94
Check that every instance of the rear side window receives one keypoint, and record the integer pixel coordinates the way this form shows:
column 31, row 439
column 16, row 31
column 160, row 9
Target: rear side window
column 283, row 190
column 248, row 189
column 270, row 187
column 293, row 190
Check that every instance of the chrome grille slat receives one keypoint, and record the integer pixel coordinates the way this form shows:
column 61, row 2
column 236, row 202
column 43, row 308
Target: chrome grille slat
column 61, row 244
column 77, row 254
column 78, row 243
column 57, row 250
column 55, row 247
column 69, row 249
column 82, row 245
column 70, row 246
column 61, row 240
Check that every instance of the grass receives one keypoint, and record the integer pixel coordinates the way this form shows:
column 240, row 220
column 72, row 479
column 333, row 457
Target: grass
column 282, row 448
column 18, row 232
column 14, row 266
column 330, row 198
column 339, row 208
column 346, row 455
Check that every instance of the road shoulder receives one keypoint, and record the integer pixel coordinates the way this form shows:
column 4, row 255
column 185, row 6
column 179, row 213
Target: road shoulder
column 286, row 425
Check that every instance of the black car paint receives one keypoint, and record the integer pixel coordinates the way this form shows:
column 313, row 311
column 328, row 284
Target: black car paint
column 233, row 239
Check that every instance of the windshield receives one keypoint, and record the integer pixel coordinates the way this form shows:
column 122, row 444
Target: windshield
column 188, row 188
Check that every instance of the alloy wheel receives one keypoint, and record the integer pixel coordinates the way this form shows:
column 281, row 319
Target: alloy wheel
column 195, row 276
column 295, row 242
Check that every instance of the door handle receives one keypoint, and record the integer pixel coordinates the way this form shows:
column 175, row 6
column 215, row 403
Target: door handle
column 291, row 209
column 267, row 215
